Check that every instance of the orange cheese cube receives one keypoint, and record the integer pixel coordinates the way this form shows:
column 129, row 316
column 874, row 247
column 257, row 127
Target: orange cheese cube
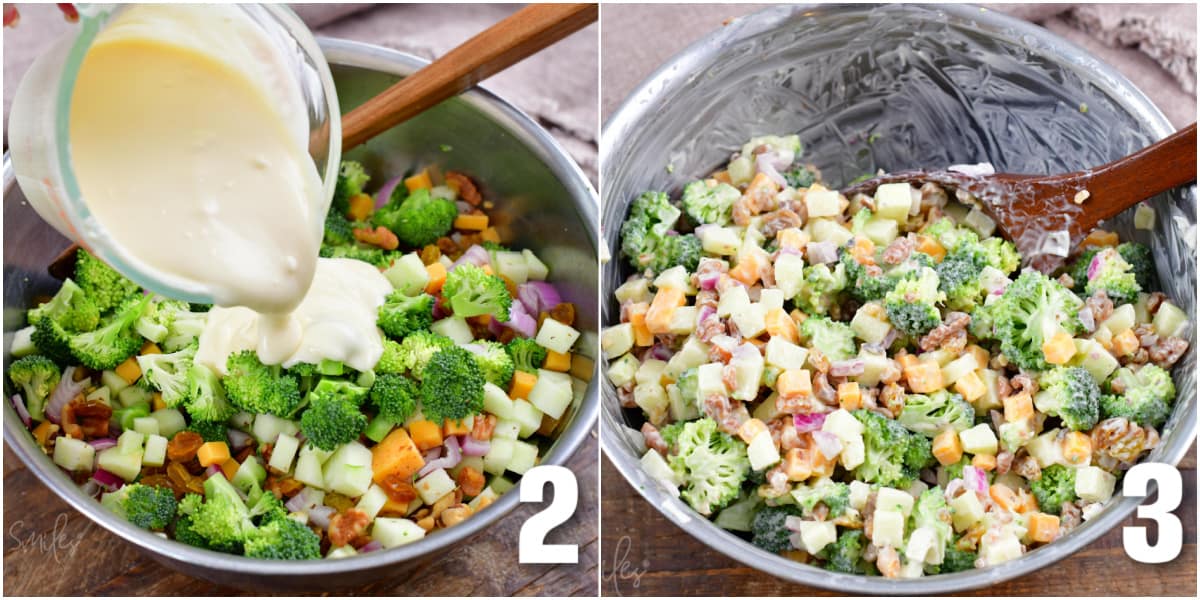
column 471, row 222
column 750, row 429
column 129, row 370
column 437, row 277
column 747, row 270
column 782, row 325
column 982, row 357
column 420, row 181
column 658, row 317
column 1018, row 407
column 490, row 235
column 1125, row 343
column 762, row 184
column 1098, row 238
column 230, row 468
column 157, row 401
column 1026, row 503
column 1043, row 527
column 150, row 348
column 792, row 237
column 907, row 360
column 849, row 395
column 970, row 386
column 863, row 250
column 213, row 453
column 557, row 361
column 987, row 462
column 794, row 383
column 1059, row 348
column 929, row 245
column 460, row 427
column 1077, row 449
column 947, row 448
column 796, row 464
column 361, row 207
column 1003, row 496
column 924, row 377
column 822, row 466
column 637, row 318
column 723, row 177
column 425, row 434
column 522, row 383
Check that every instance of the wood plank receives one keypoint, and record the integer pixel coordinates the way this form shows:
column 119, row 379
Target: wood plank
column 644, row 554
column 41, row 530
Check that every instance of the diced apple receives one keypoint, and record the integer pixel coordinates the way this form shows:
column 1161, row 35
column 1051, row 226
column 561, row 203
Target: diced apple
column 957, row 368
column 893, row 499
column 650, row 371
column 1094, row 484
column 881, row 230
column 966, row 511
column 784, row 354
column 843, row 424
column 721, row 241
column 822, row 203
column 771, row 298
column 869, row 323
column 394, row 531
column 620, row 371
column 1092, row 356
column 683, row 320
column 408, row 274
column 634, row 290
column 693, row 353
column 155, row 454
column 73, row 455
column 676, row 277
column 710, row 380
column 524, row 457
column 748, row 371
column 656, row 466
column 829, row 230
column 789, row 274
column 552, row 393
column 817, row 534
column 616, row 340
column 762, row 451
column 652, row 399
column 888, row 528
column 979, row 439
column 751, row 321
column 1170, row 320
column 557, row 336
column 348, row 470
column 893, row 201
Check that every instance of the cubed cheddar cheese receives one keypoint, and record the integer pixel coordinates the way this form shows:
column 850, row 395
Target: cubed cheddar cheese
column 1125, row 343
column 987, row 462
column 780, row 324
column 982, row 356
column 637, row 317
column 794, row 383
column 924, row 377
column 129, row 370
column 1043, row 527
column 212, row 453
column 748, row 268
column 792, row 237
column 1003, row 496
column 1018, row 407
column 863, row 250
column 1059, row 349
column 1077, row 449
column 750, row 429
column 947, row 448
column 420, row 181
column 557, row 361
column 970, row 386
column 658, row 316
column 849, row 395
column 796, row 465
column 907, row 360
column 929, row 245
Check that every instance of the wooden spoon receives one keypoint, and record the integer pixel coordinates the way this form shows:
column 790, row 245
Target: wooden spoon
column 498, row 47
column 1028, row 208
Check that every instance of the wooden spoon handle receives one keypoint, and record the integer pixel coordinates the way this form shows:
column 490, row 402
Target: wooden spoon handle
column 523, row 33
column 1164, row 165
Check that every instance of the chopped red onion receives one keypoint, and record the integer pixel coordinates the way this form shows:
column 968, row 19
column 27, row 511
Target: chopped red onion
column 103, row 443
column 975, row 479
column 66, row 389
column 1094, row 266
column 795, row 540
column 1087, row 319
column 107, row 480
column 821, row 253
column 474, row 447
column 449, row 461
column 319, row 515
column 238, row 439
column 746, row 351
column 384, row 195
column 874, row 347
column 808, row 422
column 827, row 443
column 891, row 336
column 19, row 404
column 371, row 546
column 441, row 309
column 706, row 311
column 538, row 296
column 463, row 207
column 520, row 321
column 953, row 487
column 475, row 255
column 304, row 500
column 793, row 522
column 661, row 352
column 765, row 163
column 90, row 488
column 212, row 470
column 433, row 454
column 847, row 368
column 1149, row 340
column 708, row 281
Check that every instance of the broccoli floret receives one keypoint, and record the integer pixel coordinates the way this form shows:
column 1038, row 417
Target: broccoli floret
column 339, row 231
column 643, row 233
column 341, row 388
column 845, row 554
column 670, row 433
column 417, row 349
column 375, row 256
column 1110, row 273
column 52, row 340
column 419, row 219
column 168, row 373
column 835, row 340
column 526, row 353
column 284, row 539
column 211, row 431
column 1001, row 254
column 101, row 283
column 958, row 276
column 932, row 414
column 956, row 560
column 707, row 203
column 1071, row 394
column 115, row 340
column 1032, row 310
column 392, row 359
column 495, row 362
column 331, row 420
column 930, row 511
column 1141, row 261
column 711, row 463
column 1078, row 270
column 222, row 519
column 689, row 384
column 1147, row 398
column 396, row 396
column 949, row 235
column 184, row 323
column 472, row 292
column 834, row 495
column 1055, row 488
column 351, row 179
column 258, row 388
column 38, row 376
column 800, row 177
column 400, row 314
column 451, row 386
column 206, row 399
column 894, row 455
column 70, row 307
column 870, row 282
column 148, row 507
column 684, row 250
column 912, row 305
column 819, row 288
column 769, row 529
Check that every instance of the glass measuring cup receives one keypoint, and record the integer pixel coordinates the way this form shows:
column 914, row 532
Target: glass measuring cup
column 39, row 141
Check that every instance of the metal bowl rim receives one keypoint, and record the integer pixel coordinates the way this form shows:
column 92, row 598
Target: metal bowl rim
column 692, row 60
column 349, row 53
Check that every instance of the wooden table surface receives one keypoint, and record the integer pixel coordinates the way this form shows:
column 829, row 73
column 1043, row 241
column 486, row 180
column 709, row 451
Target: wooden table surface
column 49, row 549
column 644, row 554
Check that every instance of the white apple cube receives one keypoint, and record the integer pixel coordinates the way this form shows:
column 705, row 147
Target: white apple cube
column 751, row 321
column 762, row 451
column 73, row 455
column 893, row 201
column 497, row 402
column 979, row 440
column 1045, row 449
column 556, row 336
column 785, row 355
column 888, row 528
column 1094, row 484
column 348, row 471
column 499, row 454
column 656, row 466
column 721, row 241
column 994, row 550
column 748, row 371
column 693, row 353
column 771, row 298
column 393, row 531
column 524, row 457
column 924, row 547
column 980, row 222
column 817, row 534
column 966, row 511
column 284, row 453
column 959, row 367
column 893, row 499
column 676, row 277
column 652, row 398
column 552, row 393
column 843, row 424
column 651, row 371
column 881, row 230
column 710, row 380
column 373, row 501
column 854, row 452
column 1123, row 317
column 617, row 340
column 620, row 371
column 860, row 492
column 1090, row 355
column 683, row 320
column 155, row 454
column 527, row 415
column 822, row 203
column 829, row 230
column 733, row 301
column 869, row 327
column 789, row 274
column 634, row 290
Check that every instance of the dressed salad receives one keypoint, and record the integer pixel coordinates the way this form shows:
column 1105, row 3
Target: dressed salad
column 872, row 384
column 312, row 459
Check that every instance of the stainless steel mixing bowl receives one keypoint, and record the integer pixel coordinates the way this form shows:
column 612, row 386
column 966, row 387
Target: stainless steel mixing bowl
column 893, row 87
column 544, row 203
